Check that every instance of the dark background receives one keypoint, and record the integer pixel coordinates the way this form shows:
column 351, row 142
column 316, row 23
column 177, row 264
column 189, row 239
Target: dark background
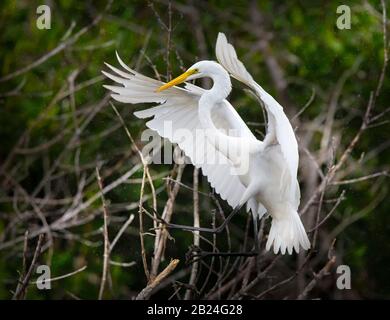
column 56, row 127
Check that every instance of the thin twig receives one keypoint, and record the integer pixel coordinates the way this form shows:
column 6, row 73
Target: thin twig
column 62, row 277
column 196, row 242
column 141, row 229
column 106, row 254
column 21, row 289
column 147, row 291
column 322, row 273
column 360, row 179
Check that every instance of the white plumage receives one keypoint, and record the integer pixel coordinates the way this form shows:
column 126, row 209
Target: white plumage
column 270, row 181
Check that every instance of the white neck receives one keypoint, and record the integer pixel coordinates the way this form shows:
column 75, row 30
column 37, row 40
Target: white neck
column 221, row 88
column 211, row 98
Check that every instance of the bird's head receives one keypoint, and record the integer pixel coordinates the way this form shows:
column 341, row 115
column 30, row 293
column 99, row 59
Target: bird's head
column 198, row 70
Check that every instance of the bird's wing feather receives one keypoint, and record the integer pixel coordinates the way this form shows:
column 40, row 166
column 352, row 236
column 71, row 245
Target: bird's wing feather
column 178, row 107
column 278, row 122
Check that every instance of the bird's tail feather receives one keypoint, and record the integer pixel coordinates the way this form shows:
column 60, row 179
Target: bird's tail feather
column 287, row 233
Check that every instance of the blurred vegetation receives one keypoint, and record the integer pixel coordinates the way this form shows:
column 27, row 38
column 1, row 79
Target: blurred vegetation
column 313, row 54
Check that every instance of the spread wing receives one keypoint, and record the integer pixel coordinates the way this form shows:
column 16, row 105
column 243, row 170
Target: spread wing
column 279, row 127
column 176, row 112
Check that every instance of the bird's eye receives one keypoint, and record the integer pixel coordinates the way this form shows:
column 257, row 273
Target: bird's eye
column 196, row 70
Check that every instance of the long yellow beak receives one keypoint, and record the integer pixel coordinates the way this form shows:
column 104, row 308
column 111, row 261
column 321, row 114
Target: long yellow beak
column 178, row 80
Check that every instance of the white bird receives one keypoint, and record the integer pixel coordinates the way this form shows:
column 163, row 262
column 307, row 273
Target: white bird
column 270, row 184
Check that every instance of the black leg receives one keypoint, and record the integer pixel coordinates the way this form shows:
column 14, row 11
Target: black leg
column 255, row 231
column 204, row 254
column 196, row 254
column 256, row 240
column 212, row 230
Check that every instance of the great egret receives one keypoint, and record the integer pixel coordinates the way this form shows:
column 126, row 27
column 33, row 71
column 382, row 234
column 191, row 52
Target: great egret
column 270, row 183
